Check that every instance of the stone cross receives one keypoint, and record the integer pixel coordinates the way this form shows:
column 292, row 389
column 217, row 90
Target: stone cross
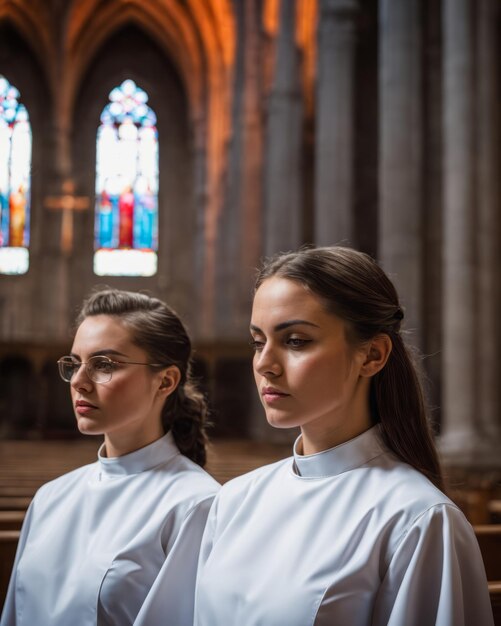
column 68, row 203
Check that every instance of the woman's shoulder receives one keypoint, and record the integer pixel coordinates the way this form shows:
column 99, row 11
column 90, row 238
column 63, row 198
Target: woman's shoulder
column 68, row 479
column 255, row 480
column 191, row 478
column 405, row 498
column 400, row 482
column 63, row 487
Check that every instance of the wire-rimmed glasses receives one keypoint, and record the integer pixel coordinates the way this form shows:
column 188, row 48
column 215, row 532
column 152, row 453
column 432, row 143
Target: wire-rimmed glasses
column 98, row 368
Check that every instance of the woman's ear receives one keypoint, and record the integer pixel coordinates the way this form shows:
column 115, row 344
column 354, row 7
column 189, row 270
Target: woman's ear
column 170, row 380
column 378, row 351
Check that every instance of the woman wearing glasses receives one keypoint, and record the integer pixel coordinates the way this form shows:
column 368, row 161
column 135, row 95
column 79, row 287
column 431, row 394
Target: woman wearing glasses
column 95, row 541
column 354, row 528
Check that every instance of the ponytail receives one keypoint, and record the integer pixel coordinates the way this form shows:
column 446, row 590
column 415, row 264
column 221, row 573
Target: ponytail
column 397, row 403
column 184, row 414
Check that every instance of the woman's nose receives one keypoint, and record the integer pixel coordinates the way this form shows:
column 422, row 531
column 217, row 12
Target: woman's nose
column 267, row 362
column 81, row 379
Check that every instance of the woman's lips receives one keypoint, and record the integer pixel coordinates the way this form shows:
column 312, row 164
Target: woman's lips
column 272, row 395
column 84, row 408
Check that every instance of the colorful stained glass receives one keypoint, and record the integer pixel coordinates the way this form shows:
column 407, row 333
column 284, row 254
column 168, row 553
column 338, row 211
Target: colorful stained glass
column 126, row 227
column 15, row 164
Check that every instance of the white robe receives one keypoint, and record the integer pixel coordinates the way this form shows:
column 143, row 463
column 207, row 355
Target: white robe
column 94, row 541
column 350, row 537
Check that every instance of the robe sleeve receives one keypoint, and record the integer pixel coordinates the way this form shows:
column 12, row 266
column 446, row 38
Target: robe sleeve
column 208, row 536
column 171, row 597
column 9, row 609
column 435, row 576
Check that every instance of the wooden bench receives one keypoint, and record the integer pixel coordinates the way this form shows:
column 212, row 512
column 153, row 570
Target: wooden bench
column 494, row 508
column 19, row 490
column 495, row 595
column 14, row 503
column 11, row 520
column 489, row 540
column 8, row 546
column 473, row 502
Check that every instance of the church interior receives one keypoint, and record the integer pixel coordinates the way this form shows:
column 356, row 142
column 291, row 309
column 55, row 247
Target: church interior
column 246, row 128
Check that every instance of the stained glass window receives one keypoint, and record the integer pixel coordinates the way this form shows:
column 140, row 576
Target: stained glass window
column 15, row 164
column 126, row 227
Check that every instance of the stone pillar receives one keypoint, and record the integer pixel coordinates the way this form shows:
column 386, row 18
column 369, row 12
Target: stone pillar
column 240, row 236
column 432, row 203
column 400, row 154
column 251, row 188
column 282, row 178
column 463, row 441
column 228, row 236
column 489, row 223
column 335, row 120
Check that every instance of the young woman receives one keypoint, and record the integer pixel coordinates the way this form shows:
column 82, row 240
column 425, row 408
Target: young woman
column 354, row 528
column 95, row 540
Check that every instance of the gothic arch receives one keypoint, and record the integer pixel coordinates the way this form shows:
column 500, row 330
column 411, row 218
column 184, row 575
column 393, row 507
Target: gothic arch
column 131, row 53
column 199, row 38
column 32, row 20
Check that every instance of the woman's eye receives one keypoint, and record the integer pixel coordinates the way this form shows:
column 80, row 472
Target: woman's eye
column 296, row 342
column 256, row 344
column 103, row 366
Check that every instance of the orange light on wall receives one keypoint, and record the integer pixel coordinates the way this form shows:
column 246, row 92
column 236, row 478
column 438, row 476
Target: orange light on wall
column 306, row 39
column 271, row 15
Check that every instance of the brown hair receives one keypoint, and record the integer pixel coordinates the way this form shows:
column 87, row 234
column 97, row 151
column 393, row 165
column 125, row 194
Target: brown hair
column 157, row 329
column 353, row 287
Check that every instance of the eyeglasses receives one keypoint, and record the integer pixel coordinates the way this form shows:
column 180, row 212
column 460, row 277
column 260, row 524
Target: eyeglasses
column 98, row 368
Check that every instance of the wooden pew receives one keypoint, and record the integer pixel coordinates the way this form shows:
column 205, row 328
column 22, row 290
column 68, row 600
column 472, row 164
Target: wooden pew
column 16, row 491
column 494, row 508
column 489, row 540
column 11, row 520
column 14, row 503
column 8, row 546
column 473, row 502
column 495, row 595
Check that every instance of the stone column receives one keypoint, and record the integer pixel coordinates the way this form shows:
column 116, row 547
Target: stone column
column 251, row 189
column 282, row 178
column 463, row 442
column 432, row 202
column 240, row 236
column 489, row 223
column 400, row 154
column 334, row 154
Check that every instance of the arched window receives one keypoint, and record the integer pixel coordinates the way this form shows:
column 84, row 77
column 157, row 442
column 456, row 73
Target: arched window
column 15, row 164
column 126, row 229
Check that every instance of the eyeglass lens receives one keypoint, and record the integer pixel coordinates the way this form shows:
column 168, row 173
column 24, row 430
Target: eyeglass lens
column 98, row 368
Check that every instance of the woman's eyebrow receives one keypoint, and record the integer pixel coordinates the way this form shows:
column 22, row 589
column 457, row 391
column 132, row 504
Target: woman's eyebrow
column 284, row 325
column 108, row 352
column 104, row 352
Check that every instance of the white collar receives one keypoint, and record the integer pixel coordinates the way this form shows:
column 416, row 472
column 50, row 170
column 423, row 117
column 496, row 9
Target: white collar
column 340, row 458
column 141, row 460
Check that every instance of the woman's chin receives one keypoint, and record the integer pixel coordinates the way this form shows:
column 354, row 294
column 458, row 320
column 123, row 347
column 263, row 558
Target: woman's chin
column 87, row 427
column 280, row 421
